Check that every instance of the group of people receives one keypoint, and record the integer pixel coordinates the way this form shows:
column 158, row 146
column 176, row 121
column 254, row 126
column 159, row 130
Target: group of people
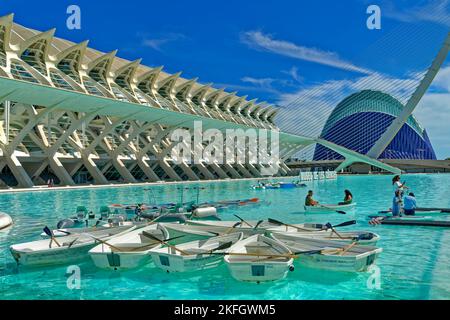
column 309, row 201
column 401, row 202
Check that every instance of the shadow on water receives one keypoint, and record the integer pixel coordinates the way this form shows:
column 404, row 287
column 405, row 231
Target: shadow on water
column 318, row 276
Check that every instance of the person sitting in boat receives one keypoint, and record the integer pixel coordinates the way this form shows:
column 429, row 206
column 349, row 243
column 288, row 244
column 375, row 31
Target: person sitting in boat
column 348, row 199
column 138, row 209
column 410, row 205
column 309, row 201
column 398, row 185
column 397, row 203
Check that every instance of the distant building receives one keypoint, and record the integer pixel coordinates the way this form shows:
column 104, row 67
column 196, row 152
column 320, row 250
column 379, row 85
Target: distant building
column 360, row 120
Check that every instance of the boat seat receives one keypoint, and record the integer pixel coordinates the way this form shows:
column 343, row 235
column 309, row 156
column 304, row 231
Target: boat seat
column 258, row 247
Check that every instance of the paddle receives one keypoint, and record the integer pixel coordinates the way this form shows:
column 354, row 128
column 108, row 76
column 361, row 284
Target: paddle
column 329, row 226
column 103, row 242
column 343, row 224
column 234, row 226
column 164, row 242
column 273, row 221
column 152, row 244
column 243, row 221
column 295, row 253
column 256, row 255
column 257, row 224
column 52, row 237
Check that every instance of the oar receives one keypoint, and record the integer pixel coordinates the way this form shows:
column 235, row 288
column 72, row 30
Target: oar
column 243, row 221
column 103, row 242
column 52, row 237
column 221, row 247
column 295, row 253
column 329, row 226
column 273, row 221
column 256, row 255
column 232, row 227
column 257, row 224
column 343, row 224
column 164, row 242
column 152, row 244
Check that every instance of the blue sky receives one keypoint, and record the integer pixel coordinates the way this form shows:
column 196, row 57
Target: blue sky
column 276, row 51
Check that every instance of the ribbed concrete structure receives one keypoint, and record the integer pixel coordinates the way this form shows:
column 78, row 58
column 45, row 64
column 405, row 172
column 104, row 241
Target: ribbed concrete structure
column 77, row 115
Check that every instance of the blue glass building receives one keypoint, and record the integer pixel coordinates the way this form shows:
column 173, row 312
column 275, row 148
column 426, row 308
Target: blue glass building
column 358, row 122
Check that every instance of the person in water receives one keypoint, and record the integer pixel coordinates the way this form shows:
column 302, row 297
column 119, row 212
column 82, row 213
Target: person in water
column 410, row 205
column 309, row 201
column 398, row 185
column 348, row 199
column 397, row 203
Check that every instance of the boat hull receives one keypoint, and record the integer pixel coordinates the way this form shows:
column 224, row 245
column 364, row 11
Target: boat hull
column 120, row 260
column 55, row 256
column 172, row 263
column 359, row 263
column 259, row 272
column 5, row 222
column 327, row 235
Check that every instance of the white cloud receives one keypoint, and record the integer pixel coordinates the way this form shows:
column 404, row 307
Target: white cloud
column 157, row 43
column 265, row 42
column 293, row 72
column 442, row 80
column 262, row 82
column 306, row 111
column 436, row 11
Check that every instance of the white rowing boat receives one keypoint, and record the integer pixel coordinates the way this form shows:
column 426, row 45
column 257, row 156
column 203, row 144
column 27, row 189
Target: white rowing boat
column 328, row 208
column 130, row 250
column 189, row 232
column 194, row 255
column 71, row 248
column 259, row 259
column 330, row 255
column 5, row 222
column 249, row 228
column 341, row 238
column 57, row 233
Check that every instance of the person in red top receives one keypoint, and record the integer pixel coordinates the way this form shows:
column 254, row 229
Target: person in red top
column 309, row 201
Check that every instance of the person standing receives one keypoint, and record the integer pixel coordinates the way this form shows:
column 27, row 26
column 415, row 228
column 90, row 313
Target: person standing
column 397, row 204
column 410, row 205
column 398, row 185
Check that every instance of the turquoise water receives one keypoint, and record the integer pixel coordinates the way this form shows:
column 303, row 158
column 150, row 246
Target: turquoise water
column 415, row 263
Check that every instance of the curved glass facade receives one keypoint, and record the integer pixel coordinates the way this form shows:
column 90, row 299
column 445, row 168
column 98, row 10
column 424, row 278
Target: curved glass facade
column 360, row 120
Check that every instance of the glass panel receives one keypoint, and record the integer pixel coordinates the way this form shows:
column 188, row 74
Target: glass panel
column 20, row 73
column 34, row 56
column 119, row 94
column 91, row 87
column 69, row 66
column 59, row 81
